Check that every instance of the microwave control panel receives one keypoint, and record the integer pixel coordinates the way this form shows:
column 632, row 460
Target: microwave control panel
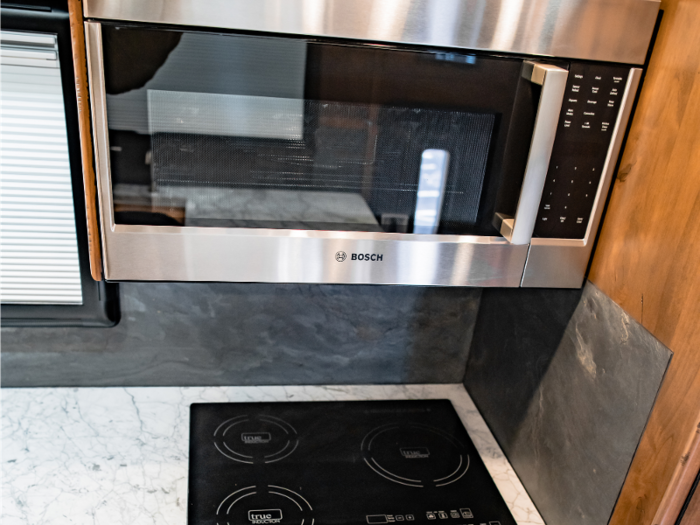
column 589, row 112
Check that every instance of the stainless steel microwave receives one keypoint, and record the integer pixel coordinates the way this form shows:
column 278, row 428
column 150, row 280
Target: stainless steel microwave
column 418, row 142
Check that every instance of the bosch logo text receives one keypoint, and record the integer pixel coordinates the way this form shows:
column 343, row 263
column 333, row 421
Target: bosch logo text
column 368, row 257
column 374, row 257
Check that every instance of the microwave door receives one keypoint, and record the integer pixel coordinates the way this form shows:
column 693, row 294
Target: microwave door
column 231, row 157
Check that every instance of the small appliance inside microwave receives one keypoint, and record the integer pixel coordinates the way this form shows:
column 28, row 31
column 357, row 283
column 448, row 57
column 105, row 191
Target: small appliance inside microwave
column 421, row 142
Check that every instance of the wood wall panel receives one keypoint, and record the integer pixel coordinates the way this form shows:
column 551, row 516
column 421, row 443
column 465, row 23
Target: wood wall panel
column 75, row 12
column 648, row 256
column 692, row 513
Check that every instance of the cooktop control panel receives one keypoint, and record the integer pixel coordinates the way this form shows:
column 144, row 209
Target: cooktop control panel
column 337, row 463
column 590, row 109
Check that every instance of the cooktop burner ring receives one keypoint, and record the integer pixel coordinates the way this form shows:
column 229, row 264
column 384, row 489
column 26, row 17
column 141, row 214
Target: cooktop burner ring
column 265, row 438
column 402, row 437
column 300, row 514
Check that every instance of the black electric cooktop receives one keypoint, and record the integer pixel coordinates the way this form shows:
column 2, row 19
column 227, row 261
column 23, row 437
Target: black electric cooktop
column 337, row 463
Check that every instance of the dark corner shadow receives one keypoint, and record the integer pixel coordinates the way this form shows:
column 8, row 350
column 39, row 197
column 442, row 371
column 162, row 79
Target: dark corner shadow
column 517, row 334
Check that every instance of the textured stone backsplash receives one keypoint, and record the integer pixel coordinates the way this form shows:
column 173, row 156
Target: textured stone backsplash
column 566, row 381
column 565, row 378
column 255, row 334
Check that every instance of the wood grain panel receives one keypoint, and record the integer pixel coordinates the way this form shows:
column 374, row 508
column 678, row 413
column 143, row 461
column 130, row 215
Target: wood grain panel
column 683, row 477
column 75, row 12
column 648, row 257
column 692, row 513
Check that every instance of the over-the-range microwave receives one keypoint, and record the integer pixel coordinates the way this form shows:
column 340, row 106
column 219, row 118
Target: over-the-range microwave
column 418, row 142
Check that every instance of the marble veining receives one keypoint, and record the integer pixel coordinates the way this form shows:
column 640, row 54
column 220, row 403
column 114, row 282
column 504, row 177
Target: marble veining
column 119, row 455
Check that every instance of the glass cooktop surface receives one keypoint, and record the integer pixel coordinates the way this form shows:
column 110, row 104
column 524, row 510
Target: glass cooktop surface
column 337, row 463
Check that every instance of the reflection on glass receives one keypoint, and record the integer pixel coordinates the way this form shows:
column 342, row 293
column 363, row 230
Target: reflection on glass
column 431, row 190
column 225, row 115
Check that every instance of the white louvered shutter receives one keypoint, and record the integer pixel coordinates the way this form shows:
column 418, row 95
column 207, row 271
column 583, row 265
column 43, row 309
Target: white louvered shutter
column 38, row 245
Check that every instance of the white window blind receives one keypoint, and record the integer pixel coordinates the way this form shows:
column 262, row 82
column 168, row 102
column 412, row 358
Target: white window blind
column 38, row 244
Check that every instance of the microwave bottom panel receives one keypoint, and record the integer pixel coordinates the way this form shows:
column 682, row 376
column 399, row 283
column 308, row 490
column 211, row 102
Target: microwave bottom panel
column 218, row 254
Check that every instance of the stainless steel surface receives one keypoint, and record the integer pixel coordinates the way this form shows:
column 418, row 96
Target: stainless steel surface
column 98, row 114
column 217, row 254
column 562, row 263
column 607, row 30
column 633, row 79
column 556, row 263
column 518, row 230
column 161, row 253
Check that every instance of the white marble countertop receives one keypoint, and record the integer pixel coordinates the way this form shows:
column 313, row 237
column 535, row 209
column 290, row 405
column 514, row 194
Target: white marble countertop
column 119, row 455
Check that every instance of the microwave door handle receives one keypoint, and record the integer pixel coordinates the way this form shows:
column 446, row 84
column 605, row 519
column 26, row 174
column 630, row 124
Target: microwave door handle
column 518, row 229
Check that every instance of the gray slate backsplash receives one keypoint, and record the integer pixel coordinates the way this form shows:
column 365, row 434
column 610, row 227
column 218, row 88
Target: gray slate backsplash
column 566, row 381
column 255, row 334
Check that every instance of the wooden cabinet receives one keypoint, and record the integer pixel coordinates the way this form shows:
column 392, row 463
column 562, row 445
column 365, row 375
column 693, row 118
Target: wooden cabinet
column 692, row 512
column 648, row 257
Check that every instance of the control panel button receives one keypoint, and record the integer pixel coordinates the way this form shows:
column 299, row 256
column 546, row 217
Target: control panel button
column 430, row 515
column 466, row 513
column 587, row 121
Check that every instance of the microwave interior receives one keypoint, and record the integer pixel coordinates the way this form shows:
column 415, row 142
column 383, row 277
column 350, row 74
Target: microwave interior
column 246, row 131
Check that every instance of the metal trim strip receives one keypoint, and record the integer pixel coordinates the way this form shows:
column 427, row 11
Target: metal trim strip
column 605, row 30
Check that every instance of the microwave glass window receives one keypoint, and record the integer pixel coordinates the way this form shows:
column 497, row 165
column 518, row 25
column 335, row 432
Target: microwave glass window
column 39, row 263
column 227, row 130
